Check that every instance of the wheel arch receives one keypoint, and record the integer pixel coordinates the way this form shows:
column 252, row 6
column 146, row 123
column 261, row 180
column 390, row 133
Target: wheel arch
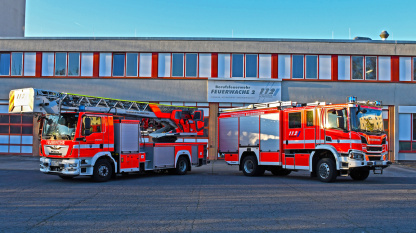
column 105, row 155
column 323, row 151
column 244, row 155
column 186, row 154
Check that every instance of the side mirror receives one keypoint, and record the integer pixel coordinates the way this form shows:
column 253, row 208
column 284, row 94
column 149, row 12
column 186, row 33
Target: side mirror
column 340, row 123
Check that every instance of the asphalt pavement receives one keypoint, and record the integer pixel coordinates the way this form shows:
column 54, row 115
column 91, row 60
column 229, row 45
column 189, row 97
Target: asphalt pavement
column 212, row 198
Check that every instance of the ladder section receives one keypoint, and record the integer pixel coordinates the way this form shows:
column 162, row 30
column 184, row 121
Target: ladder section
column 30, row 100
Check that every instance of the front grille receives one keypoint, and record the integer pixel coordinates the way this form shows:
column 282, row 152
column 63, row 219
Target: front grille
column 374, row 158
column 374, row 149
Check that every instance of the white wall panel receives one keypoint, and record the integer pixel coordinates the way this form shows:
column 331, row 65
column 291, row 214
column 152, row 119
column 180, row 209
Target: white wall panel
column 205, row 65
column 29, row 64
column 4, row 149
column 224, row 65
column 15, row 139
column 164, row 65
column 105, row 64
column 4, row 139
column 145, row 65
column 405, row 68
column 265, row 66
column 384, row 68
column 283, row 68
column 27, row 139
column 404, row 126
column 344, row 68
column 324, row 67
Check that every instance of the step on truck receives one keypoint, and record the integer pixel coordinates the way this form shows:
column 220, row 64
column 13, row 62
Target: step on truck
column 328, row 140
column 100, row 137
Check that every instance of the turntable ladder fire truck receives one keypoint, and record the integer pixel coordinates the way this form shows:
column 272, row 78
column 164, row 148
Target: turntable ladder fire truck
column 100, row 137
column 328, row 140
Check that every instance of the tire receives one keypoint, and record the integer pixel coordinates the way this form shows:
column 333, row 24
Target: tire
column 103, row 171
column 182, row 166
column 250, row 166
column 326, row 170
column 278, row 171
column 66, row 177
column 359, row 174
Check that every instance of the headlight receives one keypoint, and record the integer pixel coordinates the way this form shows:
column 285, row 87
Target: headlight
column 357, row 156
column 72, row 164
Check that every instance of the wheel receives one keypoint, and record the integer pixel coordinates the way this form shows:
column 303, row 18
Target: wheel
column 251, row 167
column 278, row 171
column 181, row 166
column 102, row 171
column 359, row 174
column 66, row 177
column 326, row 170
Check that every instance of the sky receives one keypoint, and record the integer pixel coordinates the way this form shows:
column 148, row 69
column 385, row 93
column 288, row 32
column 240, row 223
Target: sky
column 295, row 19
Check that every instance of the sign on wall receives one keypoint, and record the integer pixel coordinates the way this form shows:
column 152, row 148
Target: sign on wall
column 243, row 91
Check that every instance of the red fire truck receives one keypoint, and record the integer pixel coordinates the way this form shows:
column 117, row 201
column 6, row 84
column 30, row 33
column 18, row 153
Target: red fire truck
column 100, row 137
column 329, row 140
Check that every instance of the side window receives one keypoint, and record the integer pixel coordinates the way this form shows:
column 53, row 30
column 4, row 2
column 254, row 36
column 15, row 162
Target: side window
column 309, row 118
column 332, row 115
column 95, row 126
column 295, row 120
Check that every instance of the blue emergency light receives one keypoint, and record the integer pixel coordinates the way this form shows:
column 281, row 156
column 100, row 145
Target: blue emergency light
column 82, row 108
column 377, row 103
column 352, row 99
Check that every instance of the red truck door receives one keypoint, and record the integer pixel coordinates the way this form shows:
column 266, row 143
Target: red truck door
column 91, row 140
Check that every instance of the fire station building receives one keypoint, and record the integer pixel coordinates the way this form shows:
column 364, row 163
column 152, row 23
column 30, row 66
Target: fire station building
column 211, row 74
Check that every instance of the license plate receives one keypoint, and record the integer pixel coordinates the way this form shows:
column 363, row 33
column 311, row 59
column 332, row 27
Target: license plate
column 54, row 163
column 378, row 168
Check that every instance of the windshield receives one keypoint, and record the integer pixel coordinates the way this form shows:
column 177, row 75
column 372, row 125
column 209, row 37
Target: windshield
column 59, row 127
column 367, row 119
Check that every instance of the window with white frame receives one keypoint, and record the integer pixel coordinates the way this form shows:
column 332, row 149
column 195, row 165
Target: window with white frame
column 405, row 69
column 407, row 132
column 87, row 64
column 177, row 65
column 47, row 64
column 344, row 67
column 357, row 67
column 297, row 66
column 191, row 64
column 131, row 64
column 325, row 67
column 73, row 64
column 414, row 69
column 118, row 64
column 238, row 65
column 311, row 66
column 283, row 66
column 164, row 65
column 17, row 64
column 29, row 64
column 224, row 65
column 145, row 65
column 205, row 65
column 60, row 64
column 251, row 65
column 384, row 68
column 4, row 64
column 371, row 68
column 105, row 64
column 265, row 66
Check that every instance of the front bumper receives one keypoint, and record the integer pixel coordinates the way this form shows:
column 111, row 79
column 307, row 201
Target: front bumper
column 66, row 167
column 372, row 165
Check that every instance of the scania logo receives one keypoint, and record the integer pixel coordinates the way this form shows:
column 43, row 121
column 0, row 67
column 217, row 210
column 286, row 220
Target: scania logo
column 55, row 147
